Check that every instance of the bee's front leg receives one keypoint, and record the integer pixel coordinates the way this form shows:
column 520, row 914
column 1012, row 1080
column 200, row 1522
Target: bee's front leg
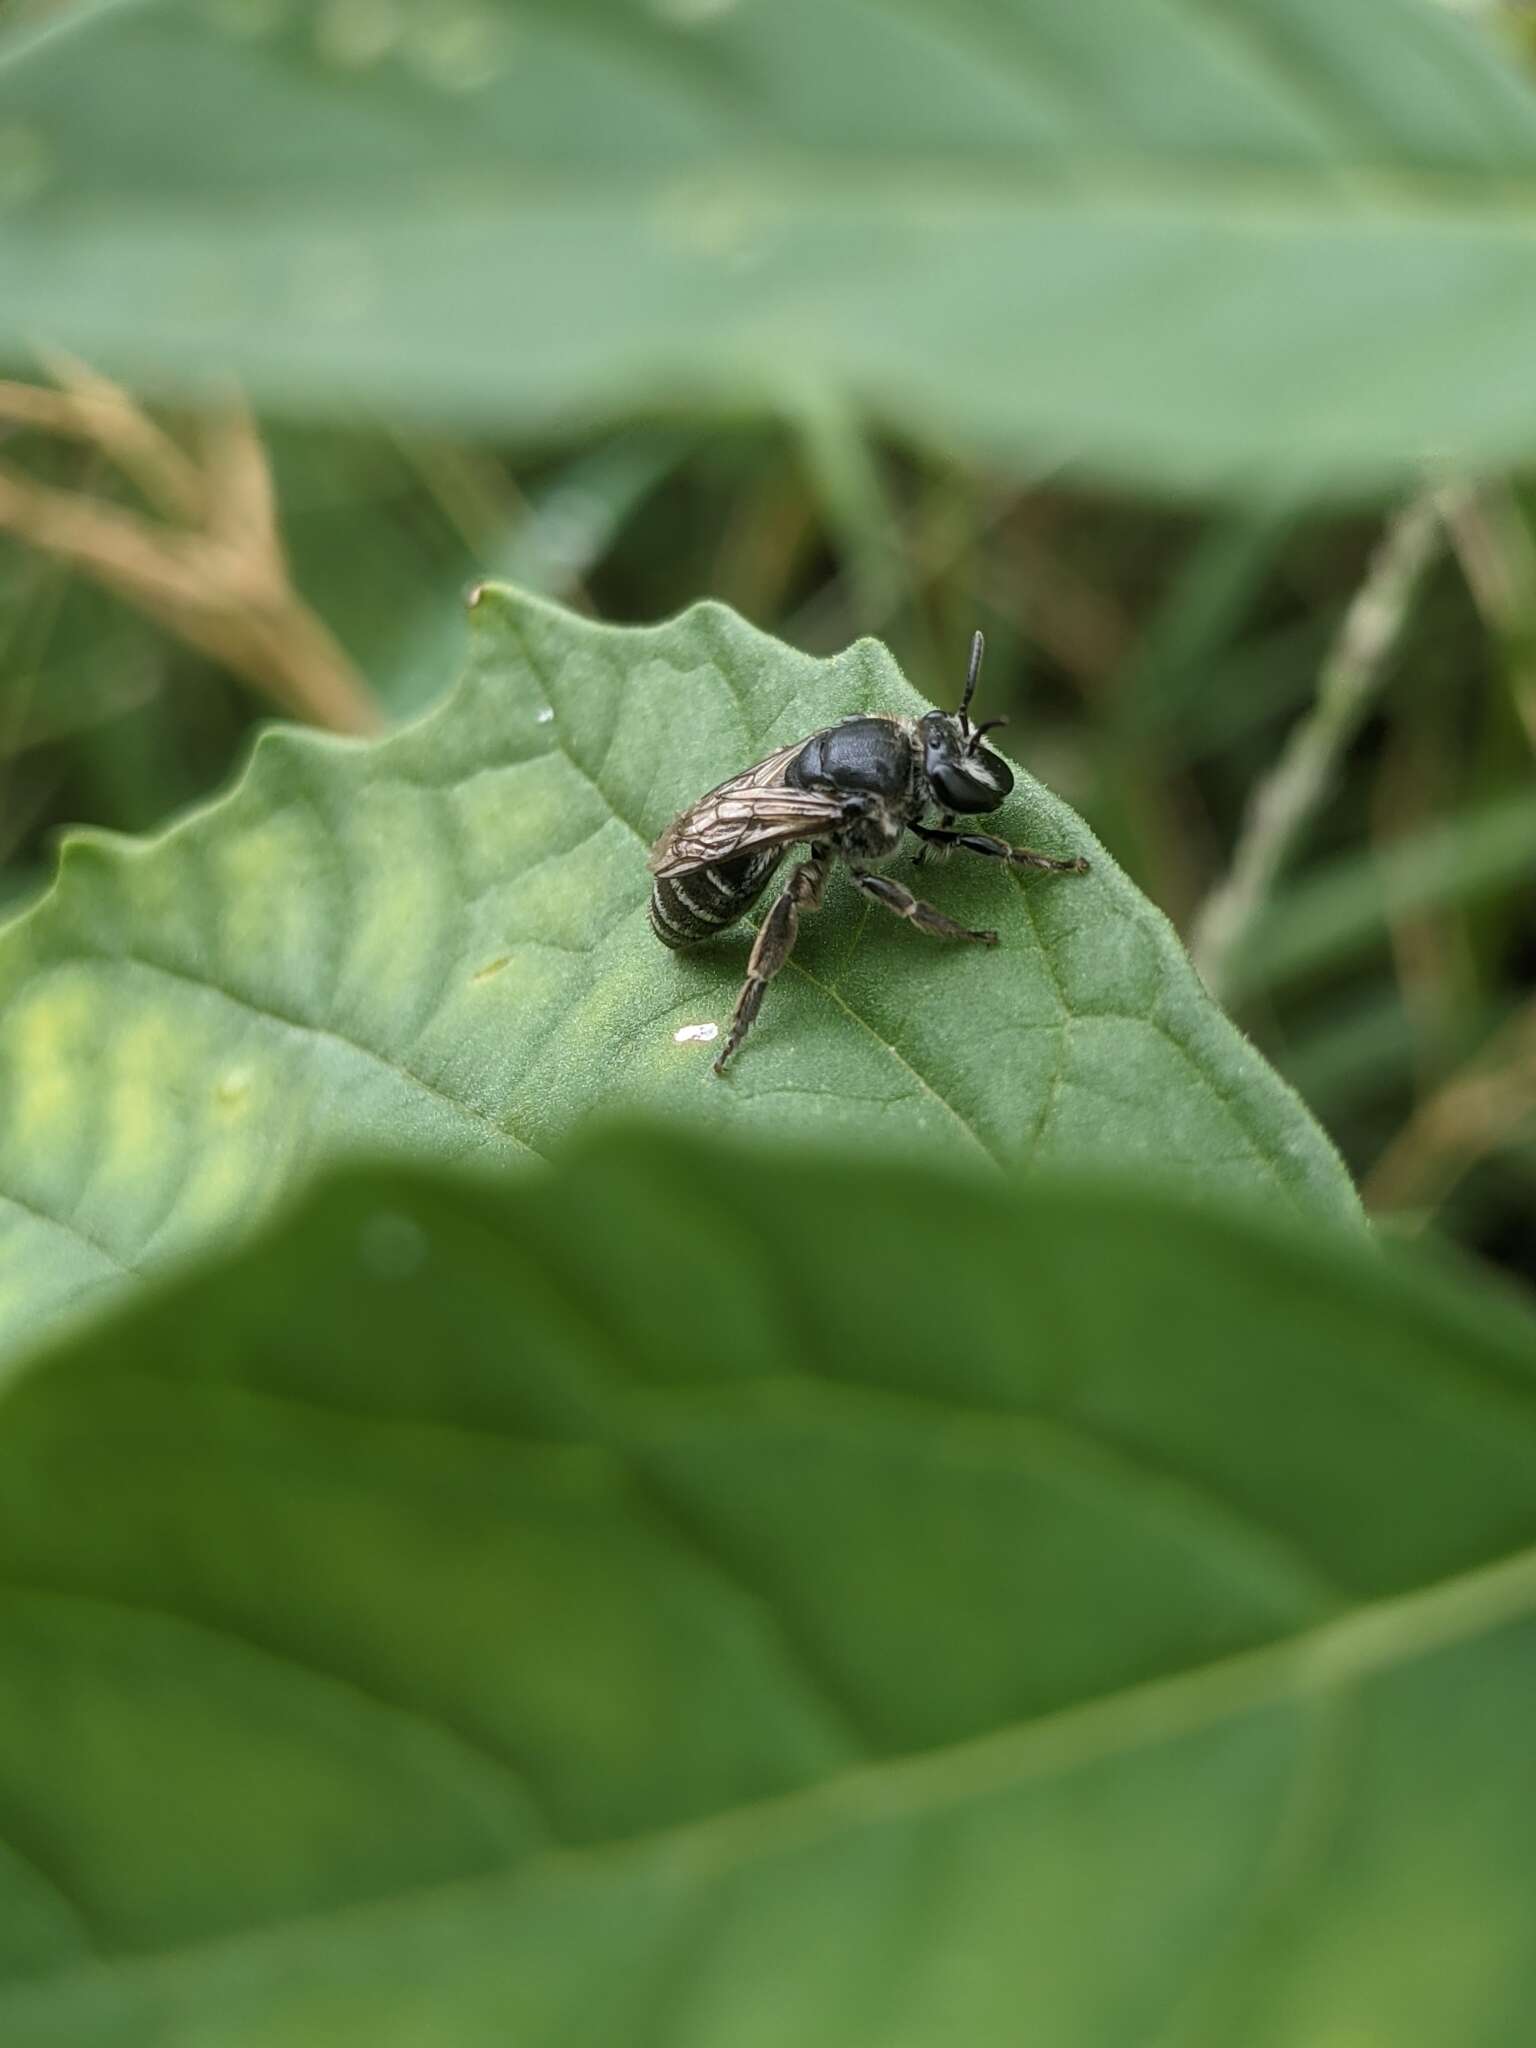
column 929, row 845
column 992, row 848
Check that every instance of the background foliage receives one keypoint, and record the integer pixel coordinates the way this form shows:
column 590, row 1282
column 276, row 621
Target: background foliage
column 1187, row 350
column 1155, row 653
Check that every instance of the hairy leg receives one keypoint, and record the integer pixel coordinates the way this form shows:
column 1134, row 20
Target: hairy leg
column 998, row 849
column 774, row 944
column 923, row 852
column 911, row 907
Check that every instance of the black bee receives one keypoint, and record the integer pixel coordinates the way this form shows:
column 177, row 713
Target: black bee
column 852, row 790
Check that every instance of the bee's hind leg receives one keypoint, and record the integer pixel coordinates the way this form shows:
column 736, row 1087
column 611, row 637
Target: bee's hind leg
column 774, row 944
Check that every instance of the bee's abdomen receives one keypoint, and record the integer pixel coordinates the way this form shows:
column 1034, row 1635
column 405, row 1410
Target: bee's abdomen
column 686, row 909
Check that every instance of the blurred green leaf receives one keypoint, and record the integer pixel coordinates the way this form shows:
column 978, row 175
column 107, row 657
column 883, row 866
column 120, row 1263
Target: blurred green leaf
column 438, row 943
column 575, row 513
column 371, row 555
column 384, row 541
column 1167, row 686
column 700, row 1597
column 1348, row 905
column 1355, row 1054
column 1288, row 242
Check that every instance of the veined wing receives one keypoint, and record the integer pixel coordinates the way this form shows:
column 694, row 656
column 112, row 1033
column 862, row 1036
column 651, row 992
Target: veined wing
column 753, row 810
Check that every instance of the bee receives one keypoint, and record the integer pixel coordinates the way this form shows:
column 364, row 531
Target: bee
column 850, row 792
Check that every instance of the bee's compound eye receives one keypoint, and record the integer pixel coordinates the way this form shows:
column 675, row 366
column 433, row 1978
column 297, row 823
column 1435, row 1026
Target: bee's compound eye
column 979, row 782
column 993, row 770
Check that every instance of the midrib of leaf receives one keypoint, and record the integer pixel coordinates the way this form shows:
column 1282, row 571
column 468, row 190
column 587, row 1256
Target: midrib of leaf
column 1322, row 1662
column 1023, row 1442
column 1337, row 199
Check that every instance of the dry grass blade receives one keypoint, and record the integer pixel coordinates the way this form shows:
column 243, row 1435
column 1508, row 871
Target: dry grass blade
column 212, row 570
column 1284, row 802
column 1493, row 544
column 88, row 408
column 1487, row 1104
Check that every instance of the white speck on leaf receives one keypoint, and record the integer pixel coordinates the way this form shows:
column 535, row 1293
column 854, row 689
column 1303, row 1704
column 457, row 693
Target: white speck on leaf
column 695, row 1034
column 543, row 715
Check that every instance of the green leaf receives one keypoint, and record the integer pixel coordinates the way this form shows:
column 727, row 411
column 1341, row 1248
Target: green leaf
column 699, row 1597
column 1291, row 241
column 438, row 944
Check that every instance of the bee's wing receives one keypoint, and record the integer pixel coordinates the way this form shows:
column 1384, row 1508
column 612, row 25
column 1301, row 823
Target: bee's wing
column 754, row 809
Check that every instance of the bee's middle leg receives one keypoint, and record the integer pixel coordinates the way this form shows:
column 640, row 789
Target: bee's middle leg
column 911, row 907
column 774, row 944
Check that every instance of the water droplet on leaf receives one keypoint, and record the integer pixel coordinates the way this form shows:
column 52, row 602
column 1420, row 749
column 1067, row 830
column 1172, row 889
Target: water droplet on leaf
column 233, row 1087
column 391, row 1246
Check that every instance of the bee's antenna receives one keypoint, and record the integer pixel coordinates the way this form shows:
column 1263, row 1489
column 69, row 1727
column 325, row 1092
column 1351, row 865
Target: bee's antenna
column 987, row 725
column 978, row 649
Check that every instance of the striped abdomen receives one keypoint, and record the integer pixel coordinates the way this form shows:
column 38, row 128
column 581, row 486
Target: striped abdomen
column 701, row 903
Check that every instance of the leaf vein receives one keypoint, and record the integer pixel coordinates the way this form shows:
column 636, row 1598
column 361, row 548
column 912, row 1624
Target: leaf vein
column 514, row 1778
column 70, row 1228
column 267, row 1015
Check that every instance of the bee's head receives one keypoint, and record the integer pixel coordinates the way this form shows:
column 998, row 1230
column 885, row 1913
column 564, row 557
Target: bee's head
column 964, row 775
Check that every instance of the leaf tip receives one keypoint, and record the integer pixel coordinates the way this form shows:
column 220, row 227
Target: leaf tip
column 488, row 595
